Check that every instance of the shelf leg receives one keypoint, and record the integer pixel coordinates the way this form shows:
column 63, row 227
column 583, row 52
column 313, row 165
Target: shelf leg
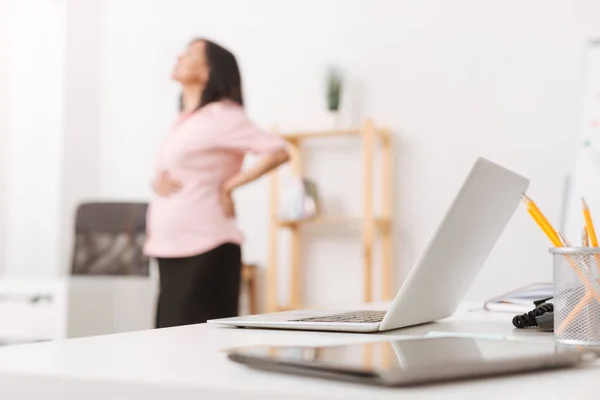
column 295, row 301
column 295, row 278
column 272, row 276
column 387, row 213
column 368, row 138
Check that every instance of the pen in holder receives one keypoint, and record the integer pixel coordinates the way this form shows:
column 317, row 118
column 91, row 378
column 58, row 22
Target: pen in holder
column 577, row 295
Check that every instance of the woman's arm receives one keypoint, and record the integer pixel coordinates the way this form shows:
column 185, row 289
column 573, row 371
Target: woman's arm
column 262, row 166
column 265, row 164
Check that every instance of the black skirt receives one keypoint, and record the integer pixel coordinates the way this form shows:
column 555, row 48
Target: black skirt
column 198, row 288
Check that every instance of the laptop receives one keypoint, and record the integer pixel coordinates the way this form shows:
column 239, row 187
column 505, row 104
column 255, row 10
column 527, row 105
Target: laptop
column 438, row 282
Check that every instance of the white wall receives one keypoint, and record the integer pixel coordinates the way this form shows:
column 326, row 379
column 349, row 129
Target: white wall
column 4, row 40
column 82, row 119
column 453, row 80
column 34, row 146
column 52, row 138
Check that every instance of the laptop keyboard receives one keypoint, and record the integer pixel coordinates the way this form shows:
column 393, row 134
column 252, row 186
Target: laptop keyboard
column 353, row 317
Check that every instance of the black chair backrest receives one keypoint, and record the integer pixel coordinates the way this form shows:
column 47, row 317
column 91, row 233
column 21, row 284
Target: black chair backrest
column 109, row 239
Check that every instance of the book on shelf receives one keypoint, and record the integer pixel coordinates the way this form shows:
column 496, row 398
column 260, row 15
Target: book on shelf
column 300, row 200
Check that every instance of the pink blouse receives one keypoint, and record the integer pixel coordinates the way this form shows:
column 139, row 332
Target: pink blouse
column 203, row 150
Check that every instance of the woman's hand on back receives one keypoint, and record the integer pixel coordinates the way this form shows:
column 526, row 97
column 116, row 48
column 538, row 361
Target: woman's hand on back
column 164, row 185
column 227, row 203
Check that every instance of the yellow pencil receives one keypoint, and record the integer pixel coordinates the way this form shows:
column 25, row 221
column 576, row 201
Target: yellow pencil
column 541, row 220
column 590, row 231
column 563, row 239
column 589, row 225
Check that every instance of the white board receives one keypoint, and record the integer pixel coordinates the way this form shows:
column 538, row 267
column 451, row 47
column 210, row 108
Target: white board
column 584, row 180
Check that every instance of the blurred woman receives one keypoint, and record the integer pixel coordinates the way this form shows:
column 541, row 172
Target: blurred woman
column 191, row 222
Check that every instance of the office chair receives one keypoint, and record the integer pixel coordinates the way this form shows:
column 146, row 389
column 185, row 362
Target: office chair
column 109, row 239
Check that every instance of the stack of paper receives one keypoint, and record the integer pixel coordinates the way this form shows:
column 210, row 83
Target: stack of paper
column 520, row 300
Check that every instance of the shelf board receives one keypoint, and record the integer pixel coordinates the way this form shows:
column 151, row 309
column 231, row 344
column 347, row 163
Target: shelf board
column 297, row 136
column 381, row 223
column 286, row 309
column 321, row 134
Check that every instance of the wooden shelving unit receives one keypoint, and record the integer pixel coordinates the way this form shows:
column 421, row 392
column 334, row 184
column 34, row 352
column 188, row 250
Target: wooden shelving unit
column 372, row 140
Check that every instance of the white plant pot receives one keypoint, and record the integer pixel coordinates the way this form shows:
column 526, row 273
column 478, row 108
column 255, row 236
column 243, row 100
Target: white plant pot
column 333, row 119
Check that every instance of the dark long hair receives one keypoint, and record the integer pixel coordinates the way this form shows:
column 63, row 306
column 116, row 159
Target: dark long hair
column 224, row 78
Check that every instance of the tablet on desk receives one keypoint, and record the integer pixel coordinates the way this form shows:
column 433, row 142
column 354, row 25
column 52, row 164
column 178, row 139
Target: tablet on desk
column 410, row 362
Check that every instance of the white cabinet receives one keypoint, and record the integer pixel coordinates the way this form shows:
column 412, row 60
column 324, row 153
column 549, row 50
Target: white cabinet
column 49, row 309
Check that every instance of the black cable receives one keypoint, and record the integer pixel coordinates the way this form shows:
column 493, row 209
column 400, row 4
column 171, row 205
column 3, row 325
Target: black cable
column 527, row 320
column 542, row 301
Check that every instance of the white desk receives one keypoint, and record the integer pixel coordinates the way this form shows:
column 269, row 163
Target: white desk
column 188, row 363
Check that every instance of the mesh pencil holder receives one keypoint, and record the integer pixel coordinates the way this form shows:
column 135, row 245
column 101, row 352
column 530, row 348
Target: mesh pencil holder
column 577, row 295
